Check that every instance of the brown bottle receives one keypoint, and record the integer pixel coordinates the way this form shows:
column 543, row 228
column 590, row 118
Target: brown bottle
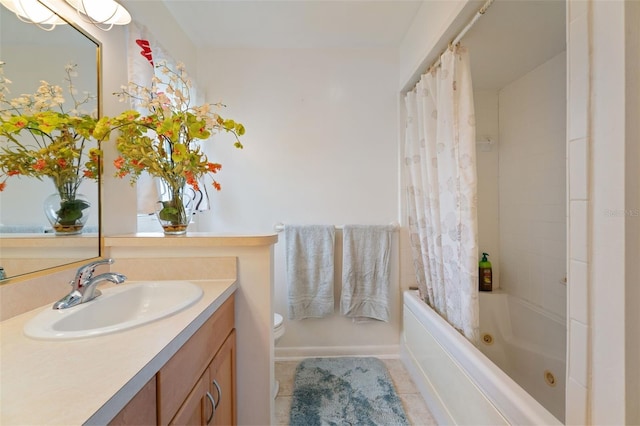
column 484, row 274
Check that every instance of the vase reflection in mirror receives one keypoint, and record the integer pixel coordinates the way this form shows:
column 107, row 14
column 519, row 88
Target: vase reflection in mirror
column 66, row 209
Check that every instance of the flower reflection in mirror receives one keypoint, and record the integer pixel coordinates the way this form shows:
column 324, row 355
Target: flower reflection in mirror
column 40, row 136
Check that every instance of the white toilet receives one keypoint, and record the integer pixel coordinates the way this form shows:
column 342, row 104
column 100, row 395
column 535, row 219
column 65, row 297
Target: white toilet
column 278, row 332
column 278, row 327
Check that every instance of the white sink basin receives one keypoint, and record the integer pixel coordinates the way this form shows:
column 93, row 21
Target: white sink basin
column 118, row 308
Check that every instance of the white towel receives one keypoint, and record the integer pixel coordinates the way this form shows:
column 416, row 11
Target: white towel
column 310, row 270
column 365, row 272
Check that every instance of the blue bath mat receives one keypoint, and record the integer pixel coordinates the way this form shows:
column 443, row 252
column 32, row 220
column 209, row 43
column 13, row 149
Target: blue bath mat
column 345, row 391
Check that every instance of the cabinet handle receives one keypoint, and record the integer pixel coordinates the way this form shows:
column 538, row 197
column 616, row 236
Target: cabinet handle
column 213, row 407
column 215, row 383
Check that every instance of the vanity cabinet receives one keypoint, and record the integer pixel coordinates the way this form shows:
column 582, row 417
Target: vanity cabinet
column 201, row 375
column 197, row 386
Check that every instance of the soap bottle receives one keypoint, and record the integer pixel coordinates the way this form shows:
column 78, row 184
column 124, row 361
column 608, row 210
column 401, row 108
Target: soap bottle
column 485, row 274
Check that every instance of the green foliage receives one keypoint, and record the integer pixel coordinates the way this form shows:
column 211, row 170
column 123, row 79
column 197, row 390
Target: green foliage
column 70, row 211
column 38, row 138
column 169, row 212
column 166, row 143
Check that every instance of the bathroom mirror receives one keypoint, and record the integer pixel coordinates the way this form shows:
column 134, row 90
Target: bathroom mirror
column 31, row 54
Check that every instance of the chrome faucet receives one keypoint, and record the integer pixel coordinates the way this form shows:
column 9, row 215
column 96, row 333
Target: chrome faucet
column 84, row 284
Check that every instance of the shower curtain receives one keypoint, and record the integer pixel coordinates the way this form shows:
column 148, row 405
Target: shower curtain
column 440, row 162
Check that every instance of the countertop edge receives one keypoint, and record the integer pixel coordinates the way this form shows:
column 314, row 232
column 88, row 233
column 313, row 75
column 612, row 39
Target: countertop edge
column 117, row 402
column 195, row 239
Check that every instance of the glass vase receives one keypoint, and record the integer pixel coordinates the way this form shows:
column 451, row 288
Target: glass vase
column 67, row 210
column 174, row 210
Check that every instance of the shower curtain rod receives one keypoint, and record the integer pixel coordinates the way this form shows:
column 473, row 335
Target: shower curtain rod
column 462, row 33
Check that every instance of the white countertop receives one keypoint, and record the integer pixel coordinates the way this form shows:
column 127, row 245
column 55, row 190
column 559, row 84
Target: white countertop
column 90, row 380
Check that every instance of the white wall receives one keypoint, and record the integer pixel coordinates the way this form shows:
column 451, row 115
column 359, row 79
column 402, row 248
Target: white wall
column 632, row 198
column 428, row 34
column 162, row 26
column 488, row 167
column 532, row 186
column 320, row 148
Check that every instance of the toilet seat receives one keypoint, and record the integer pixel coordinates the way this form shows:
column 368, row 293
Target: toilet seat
column 278, row 326
column 277, row 320
column 278, row 331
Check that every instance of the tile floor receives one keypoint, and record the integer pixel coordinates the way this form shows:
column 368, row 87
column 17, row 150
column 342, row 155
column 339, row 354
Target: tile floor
column 414, row 405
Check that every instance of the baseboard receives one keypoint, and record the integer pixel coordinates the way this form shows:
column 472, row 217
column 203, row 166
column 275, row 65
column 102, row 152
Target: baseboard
column 299, row 353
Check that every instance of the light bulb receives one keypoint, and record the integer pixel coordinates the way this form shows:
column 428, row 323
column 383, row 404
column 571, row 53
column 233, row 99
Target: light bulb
column 34, row 12
column 102, row 12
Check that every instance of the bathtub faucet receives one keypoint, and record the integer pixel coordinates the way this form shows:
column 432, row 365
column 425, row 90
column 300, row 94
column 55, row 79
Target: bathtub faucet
column 83, row 285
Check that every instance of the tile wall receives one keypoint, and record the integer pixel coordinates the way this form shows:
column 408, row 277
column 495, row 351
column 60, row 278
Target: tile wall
column 578, row 74
column 533, row 186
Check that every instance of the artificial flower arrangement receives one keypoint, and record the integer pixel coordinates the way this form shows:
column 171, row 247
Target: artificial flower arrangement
column 164, row 142
column 38, row 138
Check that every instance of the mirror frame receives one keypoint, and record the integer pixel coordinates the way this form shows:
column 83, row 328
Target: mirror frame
column 71, row 264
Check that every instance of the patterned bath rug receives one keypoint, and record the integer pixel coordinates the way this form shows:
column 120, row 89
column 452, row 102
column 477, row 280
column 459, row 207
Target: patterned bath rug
column 345, row 391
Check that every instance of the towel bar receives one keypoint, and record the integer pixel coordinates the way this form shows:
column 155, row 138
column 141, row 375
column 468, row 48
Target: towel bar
column 279, row 227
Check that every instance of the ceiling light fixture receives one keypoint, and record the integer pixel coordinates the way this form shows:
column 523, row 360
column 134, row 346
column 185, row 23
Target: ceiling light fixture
column 104, row 14
column 34, row 12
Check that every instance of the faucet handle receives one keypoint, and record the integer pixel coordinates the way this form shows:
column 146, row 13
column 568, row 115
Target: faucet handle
column 84, row 273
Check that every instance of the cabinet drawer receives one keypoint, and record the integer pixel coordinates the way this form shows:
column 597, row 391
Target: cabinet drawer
column 177, row 377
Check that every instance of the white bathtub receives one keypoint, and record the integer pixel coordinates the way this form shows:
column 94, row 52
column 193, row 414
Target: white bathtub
column 460, row 384
column 529, row 344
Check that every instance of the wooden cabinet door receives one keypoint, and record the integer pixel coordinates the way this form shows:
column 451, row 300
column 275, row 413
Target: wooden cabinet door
column 222, row 382
column 178, row 376
column 196, row 409
column 216, row 388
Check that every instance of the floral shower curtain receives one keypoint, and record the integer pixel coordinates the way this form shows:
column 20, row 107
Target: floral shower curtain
column 440, row 161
